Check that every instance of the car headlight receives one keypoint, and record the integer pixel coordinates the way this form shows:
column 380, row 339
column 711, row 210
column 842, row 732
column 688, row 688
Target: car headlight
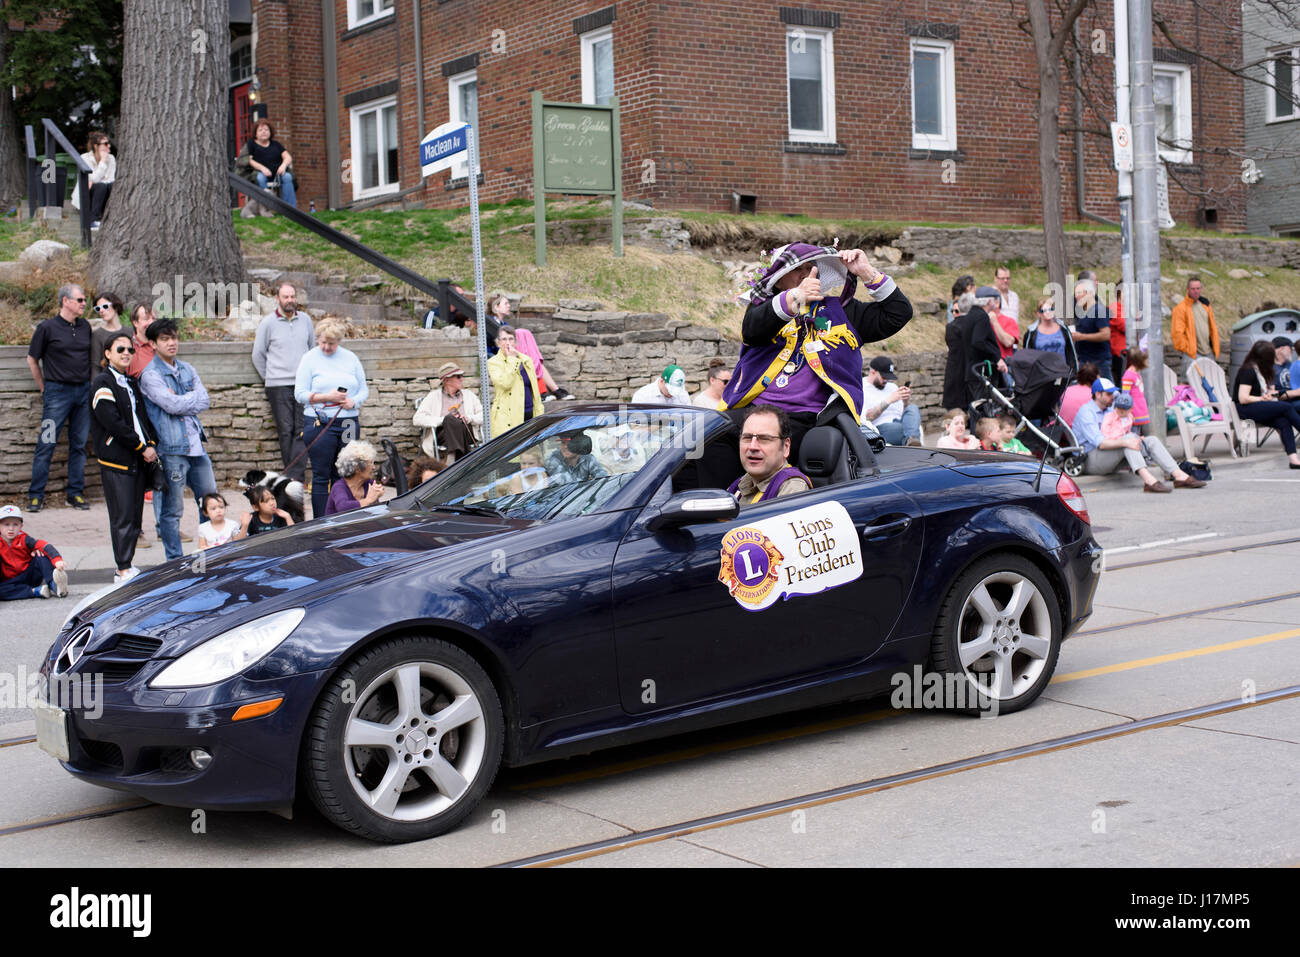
column 230, row 653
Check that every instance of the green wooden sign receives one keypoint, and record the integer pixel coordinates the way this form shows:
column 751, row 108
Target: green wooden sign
column 577, row 149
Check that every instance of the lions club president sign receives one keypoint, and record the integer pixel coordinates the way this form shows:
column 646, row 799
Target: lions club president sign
column 798, row 553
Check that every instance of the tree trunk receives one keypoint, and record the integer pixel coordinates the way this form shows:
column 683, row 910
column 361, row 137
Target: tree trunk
column 168, row 222
column 13, row 169
column 1049, row 173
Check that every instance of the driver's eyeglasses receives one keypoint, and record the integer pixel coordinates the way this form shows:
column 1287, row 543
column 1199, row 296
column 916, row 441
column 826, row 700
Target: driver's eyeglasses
column 747, row 437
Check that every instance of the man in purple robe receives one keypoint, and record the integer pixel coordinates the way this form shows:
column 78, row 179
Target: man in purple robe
column 802, row 338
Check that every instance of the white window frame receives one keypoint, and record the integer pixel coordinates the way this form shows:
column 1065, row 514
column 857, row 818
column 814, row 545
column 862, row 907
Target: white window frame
column 588, row 47
column 357, row 19
column 374, row 106
column 827, row 133
column 1182, row 152
column 460, row 167
column 240, row 43
column 947, row 139
column 1271, row 90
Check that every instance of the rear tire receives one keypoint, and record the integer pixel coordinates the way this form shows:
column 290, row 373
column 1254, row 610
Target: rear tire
column 999, row 634
column 404, row 741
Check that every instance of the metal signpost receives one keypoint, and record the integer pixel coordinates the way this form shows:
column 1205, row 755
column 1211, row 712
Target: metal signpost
column 577, row 149
column 438, row 151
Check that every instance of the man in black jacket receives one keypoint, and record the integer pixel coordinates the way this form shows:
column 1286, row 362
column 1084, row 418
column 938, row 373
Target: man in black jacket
column 970, row 341
column 125, row 446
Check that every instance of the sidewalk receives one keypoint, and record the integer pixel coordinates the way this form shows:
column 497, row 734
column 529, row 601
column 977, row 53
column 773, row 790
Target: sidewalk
column 82, row 536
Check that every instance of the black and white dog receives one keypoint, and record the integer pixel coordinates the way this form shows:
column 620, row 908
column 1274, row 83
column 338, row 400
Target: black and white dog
column 288, row 492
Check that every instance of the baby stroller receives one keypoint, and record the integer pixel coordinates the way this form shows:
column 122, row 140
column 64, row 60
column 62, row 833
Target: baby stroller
column 1039, row 379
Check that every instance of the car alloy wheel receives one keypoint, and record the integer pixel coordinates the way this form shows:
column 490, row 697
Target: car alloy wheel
column 1000, row 629
column 405, row 741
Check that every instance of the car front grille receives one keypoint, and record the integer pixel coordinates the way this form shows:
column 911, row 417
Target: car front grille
column 103, row 752
column 136, row 646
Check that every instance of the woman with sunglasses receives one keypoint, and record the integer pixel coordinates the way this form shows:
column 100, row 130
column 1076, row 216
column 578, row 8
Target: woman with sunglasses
column 106, row 322
column 1048, row 335
column 125, row 443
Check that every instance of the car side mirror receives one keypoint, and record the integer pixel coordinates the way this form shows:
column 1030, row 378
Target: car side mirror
column 693, row 507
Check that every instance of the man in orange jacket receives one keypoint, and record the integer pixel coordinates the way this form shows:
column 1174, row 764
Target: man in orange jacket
column 1195, row 334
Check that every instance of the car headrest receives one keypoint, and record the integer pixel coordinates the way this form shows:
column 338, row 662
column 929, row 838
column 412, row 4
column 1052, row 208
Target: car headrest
column 823, row 456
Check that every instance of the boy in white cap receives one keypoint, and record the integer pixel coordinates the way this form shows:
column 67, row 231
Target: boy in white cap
column 31, row 568
column 668, row 389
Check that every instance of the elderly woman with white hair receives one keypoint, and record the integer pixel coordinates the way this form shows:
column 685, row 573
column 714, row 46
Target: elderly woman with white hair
column 357, row 487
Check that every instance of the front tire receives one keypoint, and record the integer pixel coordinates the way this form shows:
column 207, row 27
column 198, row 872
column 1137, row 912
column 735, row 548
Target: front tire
column 404, row 741
column 999, row 632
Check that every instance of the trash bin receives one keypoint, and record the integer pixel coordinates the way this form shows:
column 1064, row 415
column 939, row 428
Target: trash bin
column 1261, row 325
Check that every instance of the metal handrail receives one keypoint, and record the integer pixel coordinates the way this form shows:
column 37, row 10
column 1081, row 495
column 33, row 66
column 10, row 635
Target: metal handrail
column 441, row 290
column 54, row 135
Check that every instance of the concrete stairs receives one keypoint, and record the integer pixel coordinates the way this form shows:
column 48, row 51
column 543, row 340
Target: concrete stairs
column 321, row 296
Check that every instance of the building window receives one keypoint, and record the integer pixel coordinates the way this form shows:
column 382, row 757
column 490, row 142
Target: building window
column 241, row 60
column 1284, row 85
column 374, row 149
column 810, row 71
column 462, row 95
column 598, row 66
column 1172, row 92
column 934, row 95
column 361, row 12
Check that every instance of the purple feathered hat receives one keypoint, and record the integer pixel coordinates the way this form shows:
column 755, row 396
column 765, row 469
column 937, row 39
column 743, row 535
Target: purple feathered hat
column 830, row 270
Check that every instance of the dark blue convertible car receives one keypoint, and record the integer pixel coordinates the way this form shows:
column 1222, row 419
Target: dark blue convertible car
column 560, row 590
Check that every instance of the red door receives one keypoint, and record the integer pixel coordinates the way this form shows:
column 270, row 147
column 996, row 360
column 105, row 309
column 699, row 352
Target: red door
column 243, row 108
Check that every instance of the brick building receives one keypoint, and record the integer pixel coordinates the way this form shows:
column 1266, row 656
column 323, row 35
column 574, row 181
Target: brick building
column 883, row 109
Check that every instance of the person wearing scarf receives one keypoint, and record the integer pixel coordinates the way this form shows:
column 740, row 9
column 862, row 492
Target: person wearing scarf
column 802, row 339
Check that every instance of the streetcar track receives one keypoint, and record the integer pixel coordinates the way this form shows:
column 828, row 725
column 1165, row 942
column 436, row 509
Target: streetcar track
column 108, row 810
column 10, row 742
column 833, row 795
column 1201, row 554
column 1160, row 619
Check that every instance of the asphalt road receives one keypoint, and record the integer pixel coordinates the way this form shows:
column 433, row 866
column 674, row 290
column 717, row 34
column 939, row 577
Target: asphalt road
column 1199, row 604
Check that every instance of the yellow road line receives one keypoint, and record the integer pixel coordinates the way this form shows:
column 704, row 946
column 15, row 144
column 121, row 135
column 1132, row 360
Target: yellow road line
column 1175, row 656
column 837, row 724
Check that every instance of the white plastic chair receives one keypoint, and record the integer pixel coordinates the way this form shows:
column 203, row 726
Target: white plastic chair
column 1190, row 431
column 1205, row 371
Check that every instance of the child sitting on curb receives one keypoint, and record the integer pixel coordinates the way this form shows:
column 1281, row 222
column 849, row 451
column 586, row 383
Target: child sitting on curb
column 955, row 435
column 1118, row 420
column 1007, row 440
column 31, row 568
column 989, row 432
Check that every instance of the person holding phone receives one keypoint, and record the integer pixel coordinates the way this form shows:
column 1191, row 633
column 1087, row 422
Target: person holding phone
column 331, row 386
column 887, row 406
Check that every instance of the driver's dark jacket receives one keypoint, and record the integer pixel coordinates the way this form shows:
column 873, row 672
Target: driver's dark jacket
column 584, row 469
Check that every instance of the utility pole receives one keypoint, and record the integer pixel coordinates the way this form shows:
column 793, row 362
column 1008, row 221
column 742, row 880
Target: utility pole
column 1146, row 234
column 1124, row 195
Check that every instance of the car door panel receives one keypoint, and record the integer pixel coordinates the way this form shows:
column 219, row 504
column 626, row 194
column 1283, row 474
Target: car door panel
column 681, row 637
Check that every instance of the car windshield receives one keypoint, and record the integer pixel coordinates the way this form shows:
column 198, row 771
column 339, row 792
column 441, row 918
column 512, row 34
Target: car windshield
column 557, row 467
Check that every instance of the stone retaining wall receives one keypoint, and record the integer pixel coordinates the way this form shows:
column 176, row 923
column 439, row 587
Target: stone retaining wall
column 958, row 248
column 595, row 353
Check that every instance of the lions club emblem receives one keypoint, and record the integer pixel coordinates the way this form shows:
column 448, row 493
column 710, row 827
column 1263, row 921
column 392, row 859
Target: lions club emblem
column 750, row 566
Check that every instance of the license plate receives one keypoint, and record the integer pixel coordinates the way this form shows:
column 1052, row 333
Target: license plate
column 52, row 730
